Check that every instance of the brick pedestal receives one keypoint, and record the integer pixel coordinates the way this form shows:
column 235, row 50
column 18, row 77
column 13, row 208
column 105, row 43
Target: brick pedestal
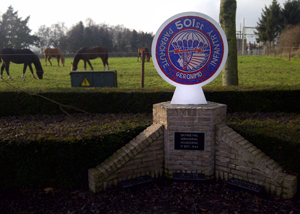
column 197, row 119
column 192, row 139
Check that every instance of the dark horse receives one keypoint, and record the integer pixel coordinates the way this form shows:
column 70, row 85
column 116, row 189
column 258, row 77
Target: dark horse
column 146, row 53
column 90, row 53
column 20, row 56
column 54, row 52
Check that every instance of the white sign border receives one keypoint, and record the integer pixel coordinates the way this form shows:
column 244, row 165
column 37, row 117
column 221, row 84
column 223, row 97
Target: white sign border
column 167, row 22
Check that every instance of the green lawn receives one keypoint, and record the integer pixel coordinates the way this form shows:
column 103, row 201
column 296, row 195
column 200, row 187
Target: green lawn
column 254, row 71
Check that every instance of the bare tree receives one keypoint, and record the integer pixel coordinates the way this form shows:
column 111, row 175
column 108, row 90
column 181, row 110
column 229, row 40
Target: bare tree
column 58, row 31
column 44, row 37
column 290, row 37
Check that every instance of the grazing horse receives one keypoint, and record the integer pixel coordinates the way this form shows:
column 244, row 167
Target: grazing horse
column 54, row 52
column 146, row 53
column 20, row 56
column 90, row 53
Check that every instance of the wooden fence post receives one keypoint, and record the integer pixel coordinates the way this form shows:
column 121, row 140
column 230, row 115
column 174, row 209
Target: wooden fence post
column 143, row 68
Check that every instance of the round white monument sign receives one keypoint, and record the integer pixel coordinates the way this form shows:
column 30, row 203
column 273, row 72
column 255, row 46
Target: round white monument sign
column 189, row 50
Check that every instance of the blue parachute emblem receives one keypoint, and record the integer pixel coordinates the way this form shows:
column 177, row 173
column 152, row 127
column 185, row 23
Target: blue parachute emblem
column 189, row 50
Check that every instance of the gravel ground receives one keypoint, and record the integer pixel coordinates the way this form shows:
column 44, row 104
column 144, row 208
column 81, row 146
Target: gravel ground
column 159, row 196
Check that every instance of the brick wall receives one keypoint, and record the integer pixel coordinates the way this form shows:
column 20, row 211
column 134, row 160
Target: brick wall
column 226, row 154
column 141, row 156
column 238, row 158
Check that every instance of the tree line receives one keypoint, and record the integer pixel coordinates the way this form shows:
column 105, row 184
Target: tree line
column 276, row 21
column 119, row 40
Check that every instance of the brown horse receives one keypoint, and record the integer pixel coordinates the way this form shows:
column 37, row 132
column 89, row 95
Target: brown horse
column 54, row 52
column 90, row 53
column 146, row 53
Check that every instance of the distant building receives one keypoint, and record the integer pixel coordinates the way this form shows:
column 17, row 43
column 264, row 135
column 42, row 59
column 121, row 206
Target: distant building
column 249, row 48
column 239, row 44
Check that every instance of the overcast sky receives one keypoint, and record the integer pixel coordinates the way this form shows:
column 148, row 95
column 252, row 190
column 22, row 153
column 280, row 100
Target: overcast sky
column 140, row 15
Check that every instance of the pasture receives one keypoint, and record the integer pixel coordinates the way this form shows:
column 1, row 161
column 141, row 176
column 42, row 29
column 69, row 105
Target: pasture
column 254, row 72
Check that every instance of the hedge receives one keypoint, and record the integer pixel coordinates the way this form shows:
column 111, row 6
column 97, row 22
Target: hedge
column 15, row 103
column 57, row 164
column 65, row 164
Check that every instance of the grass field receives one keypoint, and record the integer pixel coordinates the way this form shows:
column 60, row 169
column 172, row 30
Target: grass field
column 254, row 71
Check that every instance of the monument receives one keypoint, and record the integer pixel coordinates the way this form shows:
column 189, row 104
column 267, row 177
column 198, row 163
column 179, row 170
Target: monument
column 189, row 50
column 189, row 138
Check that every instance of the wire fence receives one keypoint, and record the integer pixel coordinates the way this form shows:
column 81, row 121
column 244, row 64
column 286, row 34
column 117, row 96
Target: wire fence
column 110, row 54
column 262, row 51
column 70, row 55
column 276, row 52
